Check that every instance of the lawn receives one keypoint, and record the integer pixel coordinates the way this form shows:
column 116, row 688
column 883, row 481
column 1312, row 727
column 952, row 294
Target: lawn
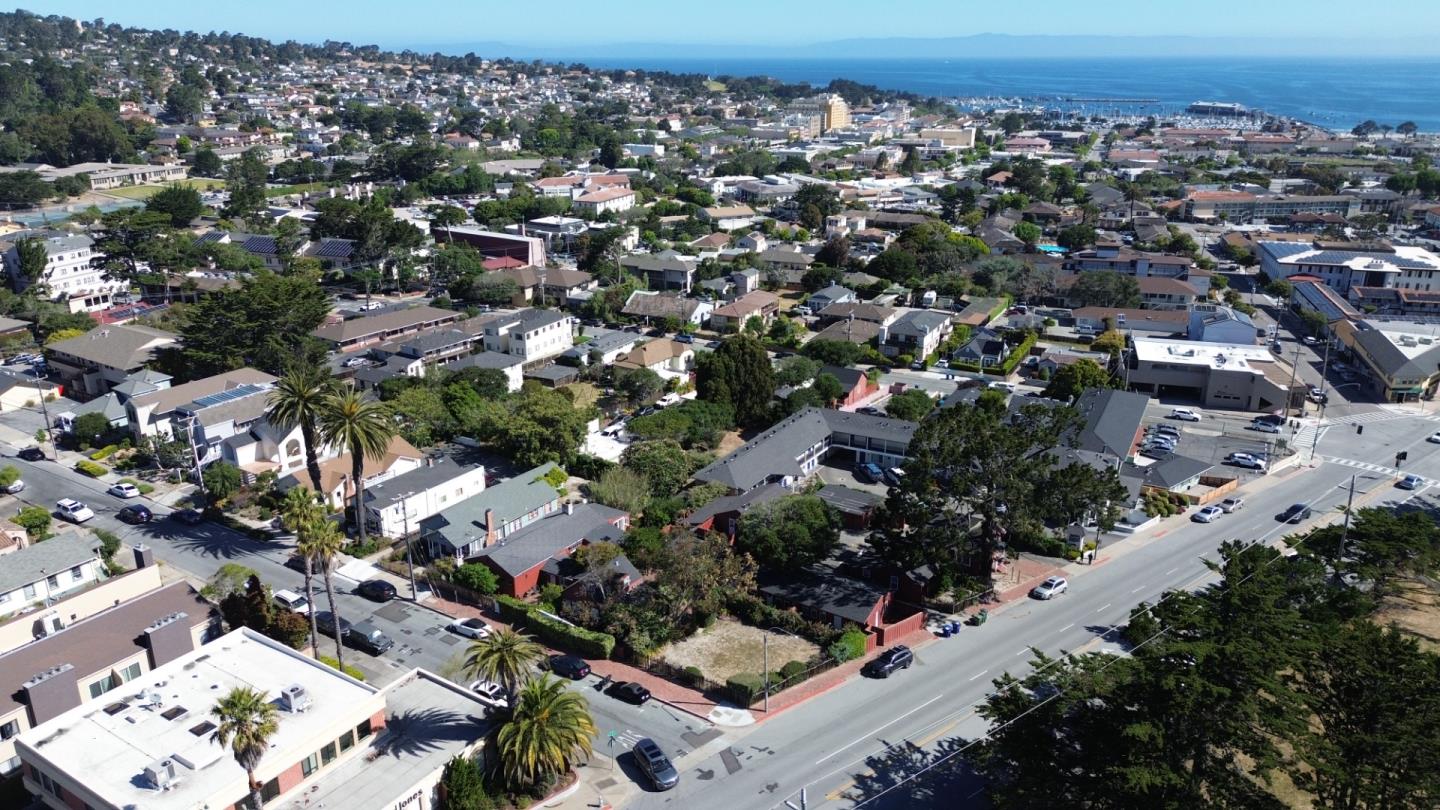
column 728, row 648
column 301, row 188
column 146, row 192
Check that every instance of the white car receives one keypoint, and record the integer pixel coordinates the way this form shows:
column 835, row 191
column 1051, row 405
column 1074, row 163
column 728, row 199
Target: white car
column 490, row 694
column 293, row 602
column 1265, row 427
column 1245, row 460
column 18, row 485
column 1232, row 504
column 1008, row 388
column 1050, row 588
column 123, row 490
column 369, row 305
column 1434, row 438
column 1207, row 514
column 73, row 510
column 470, row 628
column 1185, row 415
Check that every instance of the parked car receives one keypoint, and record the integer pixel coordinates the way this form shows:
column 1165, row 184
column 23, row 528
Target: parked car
column 1295, row 513
column 1270, row 418
column 568, row 666
column 894, row 476
column 73, row 510
column 1264, row 427
column 376, row 590
column 684, row 338
column 135, row 514
column 1050, row 588
column 871, row 473
column 491, row 694
column 918, row 365
column 1411, row 481
column 1232, row 504
column 630, row 692
column 655, row 764
column 1156, row 453
column 1001, row 385
column 1433, row 438
column 1245, row 460
column 366, row 637
column 1185, row 415
column 1165, row 430
column 123, row 490
column 31, row 454
column 292, row 601
column 469, row 628
column 18, row 485
column 325, row 622
column 189, row 517
column 1207, row 514
column 870, row 410
column 882, row 665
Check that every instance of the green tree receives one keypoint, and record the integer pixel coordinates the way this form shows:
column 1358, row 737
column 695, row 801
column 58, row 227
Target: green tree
column 245, row 721
column 320, row 542
column 827, row 386
column 1071, row 380
column 222, row 479
column 1029, row 233
column 1076, row 237
column 245, row 180
column 796, row 370
column 789, row 533
column 298, row 513
column 664, row 463
column 265, row 323
column 91, row 428
column 1105, row 288
column 477, row 577
column 912, row 405
column 621, row 488
column 505, row 657
column 32, row 260
column 694, row 576
column 639, row 386
column 35, row 520
column 181, row 204
column 364, row 428
column 463, row 782
column 738, row 374
column 206, row 163
column 550, row 726
column 298, row 399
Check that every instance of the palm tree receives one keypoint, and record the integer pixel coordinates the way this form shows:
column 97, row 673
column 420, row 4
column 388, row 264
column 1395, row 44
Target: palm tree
column 549, row 727
column 320, row 542
column 297, row 399
column 505, row 657
column 246, row 722
column 298, row 513
column 364, row 428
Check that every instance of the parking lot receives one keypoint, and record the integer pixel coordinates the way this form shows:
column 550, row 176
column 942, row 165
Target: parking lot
column 1217, row 435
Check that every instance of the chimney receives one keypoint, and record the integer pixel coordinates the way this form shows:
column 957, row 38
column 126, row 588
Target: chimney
column 51, row 693
column 569, row 507
column 168, row 639
column 490, row 531
column 144, row 557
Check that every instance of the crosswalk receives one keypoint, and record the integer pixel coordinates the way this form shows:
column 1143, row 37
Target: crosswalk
column 1359, row 465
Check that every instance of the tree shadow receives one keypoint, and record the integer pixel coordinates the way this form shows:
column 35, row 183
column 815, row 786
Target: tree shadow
column 205, row 540
column 909, row 776
column 415, row 732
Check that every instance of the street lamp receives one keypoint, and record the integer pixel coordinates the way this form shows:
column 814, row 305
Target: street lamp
column 765, row 644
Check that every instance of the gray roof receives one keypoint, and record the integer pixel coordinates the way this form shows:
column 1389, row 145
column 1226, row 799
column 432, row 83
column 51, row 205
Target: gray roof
column 1175, row 470
column 120, row 346
column 1391, row 361
column 605, row 340
column 56, row 555
column 109, row 405
column 773, row 453
column 832, row 294
column 821, row 588
column 465, row 521
column 387, row 493
column 526, row 548
column 736, row 503
column 1112, row 418
column 9, row 379
column 487, row 359
column 436, row 340
column 847, row 500
column 918, row 322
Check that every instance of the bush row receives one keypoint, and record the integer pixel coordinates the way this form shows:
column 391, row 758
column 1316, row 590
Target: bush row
column 586, row 643
column 90, row 468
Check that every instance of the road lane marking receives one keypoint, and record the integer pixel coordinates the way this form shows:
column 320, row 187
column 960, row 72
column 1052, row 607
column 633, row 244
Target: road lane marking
column 1067, row 627
column 1022, row 652
column 1139, row 589
column 1102, row 607
column 859, row 740
column 978, row 674
column 1171, row 571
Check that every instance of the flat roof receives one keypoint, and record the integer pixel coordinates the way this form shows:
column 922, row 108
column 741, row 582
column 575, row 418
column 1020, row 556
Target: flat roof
column 1229, row 356
column 155, row 716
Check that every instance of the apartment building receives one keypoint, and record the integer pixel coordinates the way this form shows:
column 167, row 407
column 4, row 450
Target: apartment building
column 72, row 269
column 531, row 334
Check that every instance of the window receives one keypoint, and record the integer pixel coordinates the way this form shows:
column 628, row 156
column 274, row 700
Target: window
column 49, row 785
column 30, row 591
column 328, row 754
column 131, row 672
column 309, row 765
column 363, row 730
column 9, row 730
column 53, row 581
column 76, row 574
column 347, row 741
column 103, row 685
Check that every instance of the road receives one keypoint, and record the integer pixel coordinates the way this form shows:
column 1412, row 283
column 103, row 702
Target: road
column 848, row 746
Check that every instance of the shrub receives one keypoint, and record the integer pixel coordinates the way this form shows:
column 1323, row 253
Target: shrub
column 556, row 478
column 550, row 595
column 109, row 544
column 586, row 643
column 9, row 475
column 695, row 675
column 792, row 669
column 849, row 646
column 744, row 688
column 477, row 577
column 35, row 520
column 145, row 489
column 90, row 468
column 590, row 467
column 104, row 452
column 353, row 672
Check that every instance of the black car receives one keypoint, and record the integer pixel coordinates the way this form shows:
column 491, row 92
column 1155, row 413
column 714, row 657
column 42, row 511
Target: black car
column 376, row 590
column 31, row 454
column 189, row 517
column 1295, row 514
column 655, row 764
column 135, row 513
column 325, row 623
column 897, row 657
column 630, row 692
column 366, row 637
column 296, row 562
column 569, row 666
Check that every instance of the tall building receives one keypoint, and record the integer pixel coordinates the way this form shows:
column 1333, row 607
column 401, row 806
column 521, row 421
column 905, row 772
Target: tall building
column 832, row 110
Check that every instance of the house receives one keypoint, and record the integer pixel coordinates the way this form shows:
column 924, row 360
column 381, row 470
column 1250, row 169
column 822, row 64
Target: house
column 396, row 506
column 753, row 242
column 366, row 330
column 661, row 273
column 665, row 357
column 531, row 334
column 1218, row 324
column 1112, row 422
column 87, row 651
column 842, row 312
column 603, row 200
column 601, row 347
column 511, row 366
column 852, row 330
column 986, row 347
column 334, row 253
column 150, row 409
column 73, row 271
column 19, row 391
column 1150, row 322
column 436, row 347
column 723, row 513
column 231, row 426
column 91, row 364
column 782, row 259
column 561, row 285
column 486, row 519
column 522, row 556
column 336, row 487
column 736, row 314
column 856, row 384
column 830, row 296
column 653, row 306
column 43, row 572
column 855, row 506
column 822, row 593
column 917, row 333
column 728, row 217
column 791, row 450
column 1175, row 473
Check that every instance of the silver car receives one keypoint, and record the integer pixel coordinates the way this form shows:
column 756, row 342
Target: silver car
column 1050, row 588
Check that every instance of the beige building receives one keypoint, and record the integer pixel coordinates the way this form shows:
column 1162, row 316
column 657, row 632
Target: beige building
column 832, row 110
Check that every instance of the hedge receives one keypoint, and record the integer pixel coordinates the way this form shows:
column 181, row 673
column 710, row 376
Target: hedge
column 587, row 643
column 353, row 672
column 791, row 669
column 105, row 452
column 744, row 688
column 90, row 468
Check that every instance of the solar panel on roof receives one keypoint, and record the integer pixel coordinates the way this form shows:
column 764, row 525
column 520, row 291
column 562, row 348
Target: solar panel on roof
column 238, row 392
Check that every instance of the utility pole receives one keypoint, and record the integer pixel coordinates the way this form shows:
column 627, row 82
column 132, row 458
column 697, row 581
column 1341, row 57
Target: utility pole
column 1290, row 389
column 409, row 547
column 1345, row 532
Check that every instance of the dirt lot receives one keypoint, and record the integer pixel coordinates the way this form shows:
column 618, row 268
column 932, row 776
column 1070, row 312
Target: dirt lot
column 729, row 648
column 730, row 441
column 1415, row 609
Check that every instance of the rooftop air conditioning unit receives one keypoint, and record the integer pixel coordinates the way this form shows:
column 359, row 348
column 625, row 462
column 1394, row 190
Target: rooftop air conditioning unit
column 296, row 699
column 161, row 774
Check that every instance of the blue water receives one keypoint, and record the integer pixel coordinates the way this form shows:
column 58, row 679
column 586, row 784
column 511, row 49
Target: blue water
column 1333, row 93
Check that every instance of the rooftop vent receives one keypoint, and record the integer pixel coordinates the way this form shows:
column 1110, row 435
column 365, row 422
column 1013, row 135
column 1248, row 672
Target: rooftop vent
column 296, row 699
column 160, row 775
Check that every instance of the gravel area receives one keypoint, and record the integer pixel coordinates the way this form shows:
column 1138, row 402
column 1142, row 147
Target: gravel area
column 728, row 648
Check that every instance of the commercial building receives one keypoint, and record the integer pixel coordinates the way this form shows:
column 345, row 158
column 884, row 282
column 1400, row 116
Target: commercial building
column 1399, row 356
column 832, row 110
column 357, row 333
column 1240, row 377
column 494, row 244
column 1344, row 265
column 1244, row 207
column 338, row 742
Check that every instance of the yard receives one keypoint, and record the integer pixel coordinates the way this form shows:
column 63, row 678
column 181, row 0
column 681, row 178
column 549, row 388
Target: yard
column 729, row 648
column 146, row 192
column 1414, row 607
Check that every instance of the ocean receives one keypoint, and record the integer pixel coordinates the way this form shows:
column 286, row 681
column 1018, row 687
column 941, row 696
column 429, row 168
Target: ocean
column 1333, row 93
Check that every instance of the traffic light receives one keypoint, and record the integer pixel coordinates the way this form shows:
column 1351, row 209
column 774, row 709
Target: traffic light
column 1359, row 429
column 1401, row 456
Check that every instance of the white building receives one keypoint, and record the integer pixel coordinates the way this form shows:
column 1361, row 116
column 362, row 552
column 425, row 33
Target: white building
column 43, row 572
column 531, row 334
column 72, row 272
column 1342, row 266
column 600, row 200
column 396, row 505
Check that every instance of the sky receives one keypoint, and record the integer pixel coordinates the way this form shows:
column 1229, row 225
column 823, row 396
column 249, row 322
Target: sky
column 447, row 23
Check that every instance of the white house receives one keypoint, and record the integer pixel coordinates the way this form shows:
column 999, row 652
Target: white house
column 531, row 334
column 597, row 201
column 72, row 272
column 394, row 507
column 43, row 572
